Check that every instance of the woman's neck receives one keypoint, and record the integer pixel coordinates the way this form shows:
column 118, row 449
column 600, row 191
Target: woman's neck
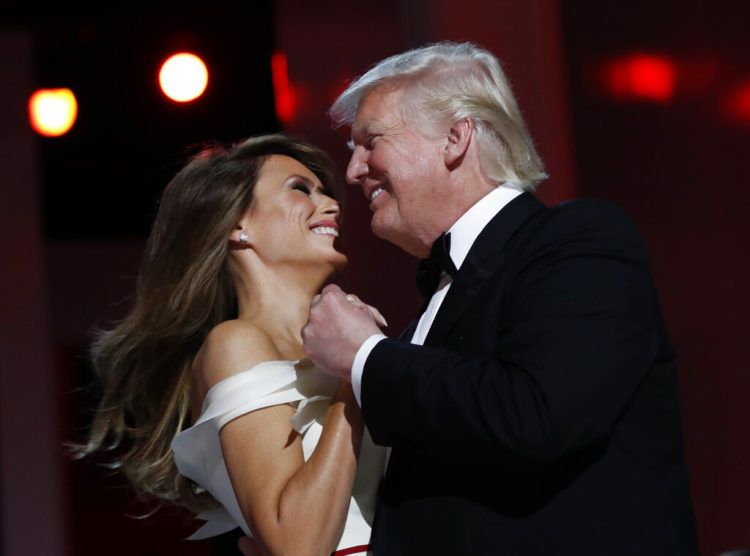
column 278, row 301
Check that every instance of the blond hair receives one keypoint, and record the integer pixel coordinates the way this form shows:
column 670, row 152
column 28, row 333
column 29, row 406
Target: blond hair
column 453, row 81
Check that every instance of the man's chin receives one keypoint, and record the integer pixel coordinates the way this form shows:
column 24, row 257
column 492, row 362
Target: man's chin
column 398, row 238
column 382, row 230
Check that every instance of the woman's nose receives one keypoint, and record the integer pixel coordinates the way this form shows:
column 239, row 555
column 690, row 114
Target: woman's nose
column 329, row 205
column 332, row 209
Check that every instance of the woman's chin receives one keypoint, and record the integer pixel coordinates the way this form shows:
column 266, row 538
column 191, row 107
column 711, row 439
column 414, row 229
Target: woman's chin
column 339, row 261
column 331, row 263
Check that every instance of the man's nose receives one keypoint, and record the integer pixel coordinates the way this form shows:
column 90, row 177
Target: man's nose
column 356, row 171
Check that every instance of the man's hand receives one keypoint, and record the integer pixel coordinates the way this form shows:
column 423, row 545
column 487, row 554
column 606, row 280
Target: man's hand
column 336, row 328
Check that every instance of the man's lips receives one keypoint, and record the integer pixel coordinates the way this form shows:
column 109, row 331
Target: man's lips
column 374, row 192
column 371, row 188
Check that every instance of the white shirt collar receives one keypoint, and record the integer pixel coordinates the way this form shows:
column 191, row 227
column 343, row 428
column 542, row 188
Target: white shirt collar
column 467, row 228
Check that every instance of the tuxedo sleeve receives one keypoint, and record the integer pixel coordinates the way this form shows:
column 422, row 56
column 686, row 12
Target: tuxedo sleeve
column 573, row 330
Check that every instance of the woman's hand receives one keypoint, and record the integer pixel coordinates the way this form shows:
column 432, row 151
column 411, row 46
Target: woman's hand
column 249, row 547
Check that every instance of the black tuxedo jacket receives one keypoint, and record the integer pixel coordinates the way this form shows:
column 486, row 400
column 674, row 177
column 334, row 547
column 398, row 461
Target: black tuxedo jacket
column 541, row 416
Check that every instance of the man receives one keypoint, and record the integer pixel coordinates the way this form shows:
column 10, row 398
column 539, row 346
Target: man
column 532, row 408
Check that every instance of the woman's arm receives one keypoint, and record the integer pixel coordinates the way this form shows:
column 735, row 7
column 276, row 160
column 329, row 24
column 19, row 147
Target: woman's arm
column 293, row 506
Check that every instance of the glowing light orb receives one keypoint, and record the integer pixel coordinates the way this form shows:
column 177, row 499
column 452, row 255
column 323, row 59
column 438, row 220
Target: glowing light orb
column 52, row 112
column 183, row 77
column 643, row 77
column 736, row 105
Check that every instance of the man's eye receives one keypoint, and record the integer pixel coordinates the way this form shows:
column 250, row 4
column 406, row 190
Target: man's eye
column 301, row 187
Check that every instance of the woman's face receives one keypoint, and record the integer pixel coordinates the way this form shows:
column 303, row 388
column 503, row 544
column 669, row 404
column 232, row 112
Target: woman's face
column 291, row 220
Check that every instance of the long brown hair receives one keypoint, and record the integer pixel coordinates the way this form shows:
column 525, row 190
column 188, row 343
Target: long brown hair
column 184, row 289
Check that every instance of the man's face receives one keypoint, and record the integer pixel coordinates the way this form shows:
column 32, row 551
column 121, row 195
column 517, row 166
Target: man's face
column 400, row 171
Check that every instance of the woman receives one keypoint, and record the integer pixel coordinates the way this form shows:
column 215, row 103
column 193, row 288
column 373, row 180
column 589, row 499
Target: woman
column 206, row 388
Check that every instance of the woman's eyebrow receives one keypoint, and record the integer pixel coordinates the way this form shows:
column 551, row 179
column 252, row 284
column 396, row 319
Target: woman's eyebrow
column 300, row 177
column 315, row 185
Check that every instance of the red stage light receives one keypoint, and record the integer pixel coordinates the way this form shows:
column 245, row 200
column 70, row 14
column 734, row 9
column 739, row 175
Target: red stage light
column 640, row 77
column 736, row 106
column 283, row 93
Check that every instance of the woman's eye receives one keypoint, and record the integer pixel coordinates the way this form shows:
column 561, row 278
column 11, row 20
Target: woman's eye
column 301, row 187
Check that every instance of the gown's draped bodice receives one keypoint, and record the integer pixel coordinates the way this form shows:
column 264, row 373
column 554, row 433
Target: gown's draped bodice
column 198, row 456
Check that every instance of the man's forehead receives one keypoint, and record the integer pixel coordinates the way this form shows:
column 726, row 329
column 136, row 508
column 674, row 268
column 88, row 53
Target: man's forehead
column 378, row 108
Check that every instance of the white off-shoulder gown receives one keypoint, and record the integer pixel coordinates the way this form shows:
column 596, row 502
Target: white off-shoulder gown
column 197, row 450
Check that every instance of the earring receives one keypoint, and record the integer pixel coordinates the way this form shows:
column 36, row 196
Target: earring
column 243, row 237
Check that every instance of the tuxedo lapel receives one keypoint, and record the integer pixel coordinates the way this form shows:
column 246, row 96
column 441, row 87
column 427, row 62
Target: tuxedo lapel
column 408, row 332
column 482, row 262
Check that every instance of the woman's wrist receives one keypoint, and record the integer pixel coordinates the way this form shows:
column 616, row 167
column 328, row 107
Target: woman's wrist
column 352, row 413
column 344, row 392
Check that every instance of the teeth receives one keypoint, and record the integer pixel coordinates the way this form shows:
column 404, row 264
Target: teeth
column 375, row 193
column 326, row 231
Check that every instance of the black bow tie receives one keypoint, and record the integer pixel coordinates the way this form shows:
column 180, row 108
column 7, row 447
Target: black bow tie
column 431, row 268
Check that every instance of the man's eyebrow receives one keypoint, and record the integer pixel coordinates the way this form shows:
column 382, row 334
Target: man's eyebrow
column 356, row 132
column 359, row 131
column 361, row 128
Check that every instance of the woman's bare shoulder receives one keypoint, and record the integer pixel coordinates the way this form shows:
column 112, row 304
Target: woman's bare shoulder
column 232, row 347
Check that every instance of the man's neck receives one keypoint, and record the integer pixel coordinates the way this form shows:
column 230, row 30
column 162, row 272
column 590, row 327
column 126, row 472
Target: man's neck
column 470, row 224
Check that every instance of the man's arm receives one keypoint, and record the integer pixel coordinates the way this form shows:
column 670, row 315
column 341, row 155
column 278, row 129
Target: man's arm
column 579, row 333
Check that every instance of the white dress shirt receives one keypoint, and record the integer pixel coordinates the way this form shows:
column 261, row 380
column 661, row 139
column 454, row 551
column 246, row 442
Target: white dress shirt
column 463, row 234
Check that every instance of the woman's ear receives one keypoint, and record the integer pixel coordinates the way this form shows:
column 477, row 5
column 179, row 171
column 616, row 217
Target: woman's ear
column 240, row 237
column 459, row 138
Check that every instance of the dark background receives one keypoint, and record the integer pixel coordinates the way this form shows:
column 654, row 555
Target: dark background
column 678, row 167
column 101, row 180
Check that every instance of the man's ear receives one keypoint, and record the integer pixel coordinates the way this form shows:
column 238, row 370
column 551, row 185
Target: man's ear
column 459, row 138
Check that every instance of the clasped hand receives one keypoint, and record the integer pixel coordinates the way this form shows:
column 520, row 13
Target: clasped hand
column 338, row 325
